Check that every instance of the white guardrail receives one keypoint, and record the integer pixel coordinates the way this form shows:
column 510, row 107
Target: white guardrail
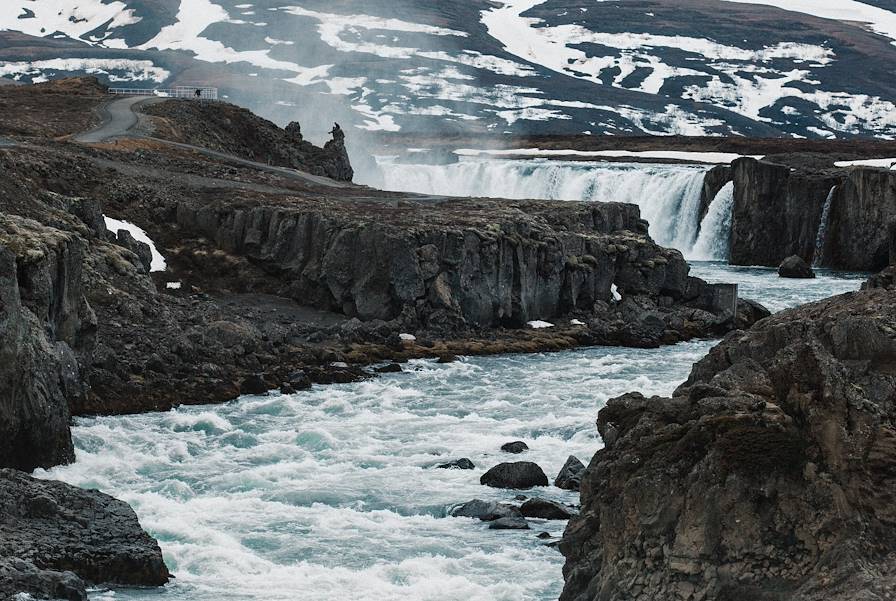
column 197, row 92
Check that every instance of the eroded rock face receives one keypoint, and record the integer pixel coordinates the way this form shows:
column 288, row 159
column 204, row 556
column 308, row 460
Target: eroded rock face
column 768, row 475
column 494, row 268
column 47, row 328
column 55, row 539
column 778, row 211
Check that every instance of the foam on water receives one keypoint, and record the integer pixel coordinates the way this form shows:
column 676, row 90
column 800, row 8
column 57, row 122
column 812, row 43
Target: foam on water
column 762, row 284
column 331, row 493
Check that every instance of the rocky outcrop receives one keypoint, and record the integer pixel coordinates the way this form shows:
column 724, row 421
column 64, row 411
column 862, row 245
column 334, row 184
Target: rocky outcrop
column 778, row 211
column 234, row 130
column 497, row 266
column 47, row 332
column 56, row 539
column 768, row 475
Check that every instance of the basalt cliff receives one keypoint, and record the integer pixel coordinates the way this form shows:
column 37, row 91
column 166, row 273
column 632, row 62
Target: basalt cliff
column 805, row 206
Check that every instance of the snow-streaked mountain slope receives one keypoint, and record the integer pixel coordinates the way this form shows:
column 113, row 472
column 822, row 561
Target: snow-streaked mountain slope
column 816, row 68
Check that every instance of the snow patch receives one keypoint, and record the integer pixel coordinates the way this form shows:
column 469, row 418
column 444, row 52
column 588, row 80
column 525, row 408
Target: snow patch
column 116, row 225
column 539, row 325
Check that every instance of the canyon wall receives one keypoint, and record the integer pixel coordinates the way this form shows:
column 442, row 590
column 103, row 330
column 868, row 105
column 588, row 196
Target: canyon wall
column 503, row 264
column 778, row 212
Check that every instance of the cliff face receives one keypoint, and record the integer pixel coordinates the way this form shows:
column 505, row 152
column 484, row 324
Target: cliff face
column 48, row 327
column 768, row 475
column 862, row 212
column 778, row 212
column 528, row 261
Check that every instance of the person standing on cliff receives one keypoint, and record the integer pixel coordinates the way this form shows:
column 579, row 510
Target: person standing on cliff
column 337, row 133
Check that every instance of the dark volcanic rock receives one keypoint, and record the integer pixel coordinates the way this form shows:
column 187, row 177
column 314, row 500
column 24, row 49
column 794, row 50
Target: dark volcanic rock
column 778, row 211
column 46, row 326
column 768, row 475
column 516, row 447
column 547, row 510
column 391, row 368
column 458, row 464
column 521, row 474
column 570, row 476
column 794, row 267
column 509, row 524
column 54, row 538
column 227, row 128
column 486, row 511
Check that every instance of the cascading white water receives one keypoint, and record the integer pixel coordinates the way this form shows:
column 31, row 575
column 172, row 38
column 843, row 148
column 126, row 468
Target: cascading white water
column 668, row 195
column 823, row 228
column 713, row 242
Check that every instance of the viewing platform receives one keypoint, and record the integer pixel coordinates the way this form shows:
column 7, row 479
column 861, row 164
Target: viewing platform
column 196, row 92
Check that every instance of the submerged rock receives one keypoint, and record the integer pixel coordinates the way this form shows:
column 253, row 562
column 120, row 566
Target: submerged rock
column 570, row 476
column 547, row 510
column 794, row 267
column 521, row 474
column 514, row 447
column 55, row 539
column 509, row 524
column 458, row 464
column 391, row 368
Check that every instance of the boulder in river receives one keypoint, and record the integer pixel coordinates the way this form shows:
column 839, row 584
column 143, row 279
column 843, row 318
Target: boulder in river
column 794, row 267
column 546, row 510
column 570, row 476
column 515, row 447
column 509, row 524
column 486, row 511
column 520, row 474
column 457, row 464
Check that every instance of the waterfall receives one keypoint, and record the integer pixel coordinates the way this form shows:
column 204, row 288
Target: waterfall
column 668, row 195
column 823, row 228
column 714, row 241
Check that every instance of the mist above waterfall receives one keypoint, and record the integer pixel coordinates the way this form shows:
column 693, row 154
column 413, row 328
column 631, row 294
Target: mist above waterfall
column 668, row 195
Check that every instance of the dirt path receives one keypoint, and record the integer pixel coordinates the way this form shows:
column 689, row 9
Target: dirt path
column 120, row 118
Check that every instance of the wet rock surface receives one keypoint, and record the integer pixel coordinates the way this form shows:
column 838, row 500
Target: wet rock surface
column 570, row 476
column 768, row 475
column 520, row 474
column 56, row 539
column 515, row 448
column 794, row 267
column 546, row 510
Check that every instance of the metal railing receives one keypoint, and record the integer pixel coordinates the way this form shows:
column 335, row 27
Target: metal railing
column 197, row 92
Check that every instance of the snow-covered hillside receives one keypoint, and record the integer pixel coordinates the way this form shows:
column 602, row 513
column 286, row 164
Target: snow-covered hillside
column 814, row 68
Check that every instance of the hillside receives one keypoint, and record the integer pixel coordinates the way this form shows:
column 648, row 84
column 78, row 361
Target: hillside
column 690, row 67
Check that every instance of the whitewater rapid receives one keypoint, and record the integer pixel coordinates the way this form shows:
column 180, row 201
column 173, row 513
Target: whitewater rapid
column 331, row 493
column 668, row 194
